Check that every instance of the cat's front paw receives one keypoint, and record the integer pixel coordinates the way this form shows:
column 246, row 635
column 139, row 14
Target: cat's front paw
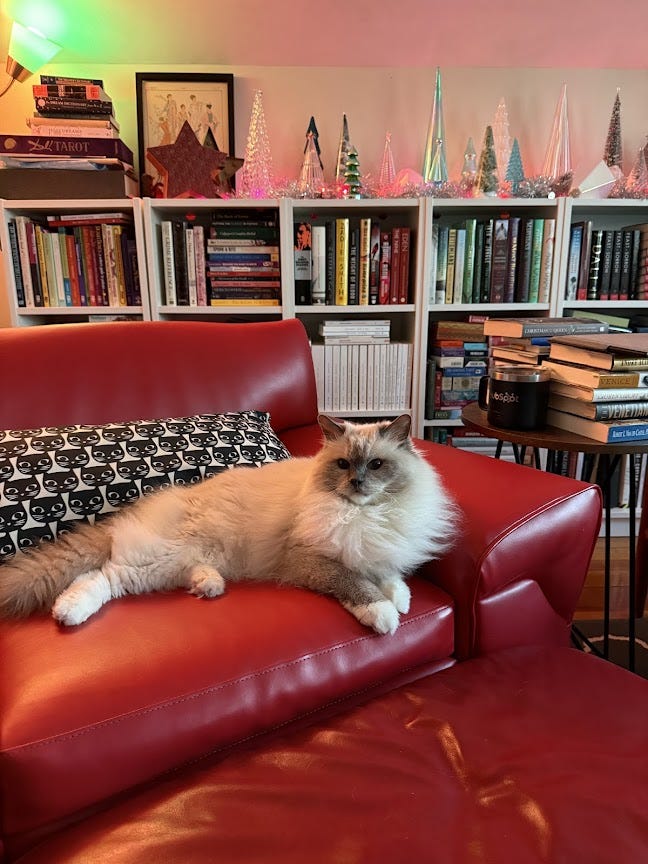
column 381, row 615
column 206, row 581
column 70, row 610
column 399, row 593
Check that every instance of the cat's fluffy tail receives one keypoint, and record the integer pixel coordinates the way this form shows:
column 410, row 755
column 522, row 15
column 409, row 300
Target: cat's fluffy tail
column 32, row 582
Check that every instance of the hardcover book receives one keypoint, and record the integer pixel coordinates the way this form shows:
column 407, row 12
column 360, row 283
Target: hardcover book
column 573, row 260
column 599, row 410
column 499, row 261
column 594, row 378
column 606, row 432
column 523, row 327
column 42, row 147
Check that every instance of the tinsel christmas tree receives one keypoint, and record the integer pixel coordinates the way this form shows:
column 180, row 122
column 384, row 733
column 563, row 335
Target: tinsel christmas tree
column 469, row 170
column 487, row 174
column 343, row 150
column 387, row 169
column 501, row 138
column 312, row 130
column 352, row 173
column 311, row 178
column 255, row 177
column 613, row 154
column 515, row 169
column 435, row 135
column 637, row 180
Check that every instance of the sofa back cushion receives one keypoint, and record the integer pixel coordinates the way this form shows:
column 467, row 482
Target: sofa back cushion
column 62, row 374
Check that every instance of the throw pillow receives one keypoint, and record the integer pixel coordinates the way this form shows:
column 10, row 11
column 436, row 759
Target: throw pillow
column 53, row 477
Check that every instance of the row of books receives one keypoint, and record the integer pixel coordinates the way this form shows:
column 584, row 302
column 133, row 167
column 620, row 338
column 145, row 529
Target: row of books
column 232, row 260
column 374, row 331
column 352, row 262
column 607, row 264
column 375, row 378
column 508, row 259
column 74, row 261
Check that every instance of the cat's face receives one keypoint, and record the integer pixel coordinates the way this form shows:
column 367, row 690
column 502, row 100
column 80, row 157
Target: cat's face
column 364, row 462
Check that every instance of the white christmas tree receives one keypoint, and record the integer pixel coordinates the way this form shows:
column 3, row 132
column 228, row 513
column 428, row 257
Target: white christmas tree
column 558, row 156
column 343, row 151
column 387, row 169
column 254, row 180
column 502, row 139
column 311, row 178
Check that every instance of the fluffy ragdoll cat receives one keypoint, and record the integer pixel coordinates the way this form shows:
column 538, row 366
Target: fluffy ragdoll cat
column 350, row 522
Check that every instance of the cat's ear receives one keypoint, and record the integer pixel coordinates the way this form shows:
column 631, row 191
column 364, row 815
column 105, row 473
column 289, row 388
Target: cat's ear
column 332, row 429
column 399, row 429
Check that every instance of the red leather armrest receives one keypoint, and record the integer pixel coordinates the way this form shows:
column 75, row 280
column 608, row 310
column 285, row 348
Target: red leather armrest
column 522, row 554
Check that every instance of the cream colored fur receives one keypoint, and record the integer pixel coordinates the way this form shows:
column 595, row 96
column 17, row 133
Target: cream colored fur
column 350, row 522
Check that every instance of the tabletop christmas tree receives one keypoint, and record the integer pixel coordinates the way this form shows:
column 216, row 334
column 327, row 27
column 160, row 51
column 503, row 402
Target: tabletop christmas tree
column 435, row 138
column 352, row 174
column 487, row 174
column 311, row 178
column 557, row 163
column 469, row 169
column 312, row 130
column 515, row 169
column 343, row 150
column 387, row 169
column 501, row 139
column 613, row 152
column 255, row 177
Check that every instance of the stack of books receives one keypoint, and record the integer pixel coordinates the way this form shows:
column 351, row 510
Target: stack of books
column 358, row 368
column 599, row 386
column 74, row 145
column 457, row 359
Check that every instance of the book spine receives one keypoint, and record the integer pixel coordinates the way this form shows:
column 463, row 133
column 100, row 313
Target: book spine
column 201, row 265
column 487, row 265
column 342, row 261
column 634, row 263
column 523, row 275
column 63, row 103
column 180, row 263
column 60, row 248
column 190, row 252
column 573, row 262
column 406, row 242
column 101, row 262
column 536, row 259
column 42, row 266
column 168, row 268
column 546, row 261
column 67, row 80
column 500, row 259
column 594, row 270
column 605, row 269
column 460, row 252
column 107, row 243
column 479, row 262
column 511, row 273
column 69, row 91
column 385, row 267
column 44, row 147
column 615, row 274
column 81, row 266
column 626, row 264
column 450, row 266
column 583, row 268
column 470, row 227
column 620, row 410
column 302, row 259
column 318, row 264
column 354, row 263
column 374, row 265
column 395, row 265
column 25, row 263
column 364, row 264
column 441, row 265
column 15, row 263
column 331, row 241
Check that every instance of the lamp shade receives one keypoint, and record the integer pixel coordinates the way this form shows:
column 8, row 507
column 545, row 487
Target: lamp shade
column 28, row 51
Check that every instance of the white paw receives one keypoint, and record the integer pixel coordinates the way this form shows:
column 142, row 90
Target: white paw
column 70, row 610
column 381, row 615
column 206, row 581
column 399, row 593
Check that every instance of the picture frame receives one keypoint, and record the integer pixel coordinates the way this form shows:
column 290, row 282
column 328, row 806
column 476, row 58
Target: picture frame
column 166, row 99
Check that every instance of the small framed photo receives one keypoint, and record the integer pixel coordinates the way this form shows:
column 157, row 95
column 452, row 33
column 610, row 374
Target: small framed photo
column 166, row 100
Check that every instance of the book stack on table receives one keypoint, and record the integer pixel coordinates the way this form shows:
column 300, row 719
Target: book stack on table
column 599, row 386
column 73, row 149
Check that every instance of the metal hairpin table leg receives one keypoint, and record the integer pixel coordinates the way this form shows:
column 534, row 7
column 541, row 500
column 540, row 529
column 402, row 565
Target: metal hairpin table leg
column 631, row 566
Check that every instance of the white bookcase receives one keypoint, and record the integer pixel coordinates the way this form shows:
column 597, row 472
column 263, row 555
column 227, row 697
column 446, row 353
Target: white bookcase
column 410, row 322
column 24, row 316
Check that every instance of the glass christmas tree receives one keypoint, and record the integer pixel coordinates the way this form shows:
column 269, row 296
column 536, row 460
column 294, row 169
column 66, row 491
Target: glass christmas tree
column 515, row 169
column 501, row 138
column 387, row 169
column 343, row 150
column 612, row 153
column 255, row 177
column 311, row 178
column 469, row 170
column 352, row 173
column 312, row 130
column 438, row 168
column 557, row 161
column 487, row 174
column 435, row 134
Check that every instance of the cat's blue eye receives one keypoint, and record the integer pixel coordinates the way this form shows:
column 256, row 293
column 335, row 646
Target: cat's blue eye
column 343, row 464
column 375, row 464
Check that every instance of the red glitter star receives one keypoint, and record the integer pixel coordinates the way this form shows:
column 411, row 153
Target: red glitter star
column 191, row 170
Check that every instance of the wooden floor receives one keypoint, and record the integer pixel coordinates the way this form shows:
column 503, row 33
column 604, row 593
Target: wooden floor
column 590, row 604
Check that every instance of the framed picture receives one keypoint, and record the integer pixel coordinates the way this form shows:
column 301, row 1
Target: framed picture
column 165, row 100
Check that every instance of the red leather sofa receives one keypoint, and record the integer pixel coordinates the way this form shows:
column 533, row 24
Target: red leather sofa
column 269, row 725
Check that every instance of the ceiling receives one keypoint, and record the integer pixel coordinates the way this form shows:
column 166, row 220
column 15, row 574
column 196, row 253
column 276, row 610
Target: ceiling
column 554, row 33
